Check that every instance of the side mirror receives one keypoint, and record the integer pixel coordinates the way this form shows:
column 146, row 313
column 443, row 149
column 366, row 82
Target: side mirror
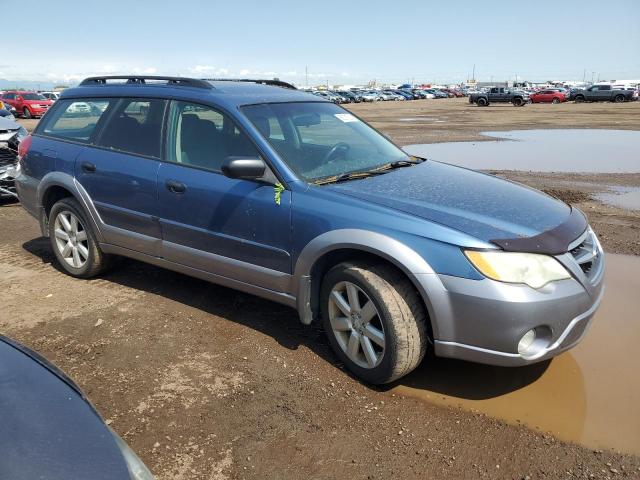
column 244, row 168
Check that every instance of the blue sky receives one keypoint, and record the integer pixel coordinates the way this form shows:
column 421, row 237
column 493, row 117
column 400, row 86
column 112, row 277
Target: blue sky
column 339, row 41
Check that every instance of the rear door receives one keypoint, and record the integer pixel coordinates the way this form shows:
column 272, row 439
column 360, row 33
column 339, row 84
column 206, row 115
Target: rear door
column 120, row 173
column 228, row 227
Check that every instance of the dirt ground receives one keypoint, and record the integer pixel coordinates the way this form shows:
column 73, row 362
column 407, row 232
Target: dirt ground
column 207, row 383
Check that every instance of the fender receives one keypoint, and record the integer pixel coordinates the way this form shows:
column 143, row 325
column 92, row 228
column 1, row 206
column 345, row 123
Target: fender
column 406, row 259
column 69, row 183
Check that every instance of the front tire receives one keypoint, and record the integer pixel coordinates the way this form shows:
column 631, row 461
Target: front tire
column 374, row 320
column 555, row 101
column 482, row 102
column 73, row 241
column 618, row 99
column 518, row 102
column 579, row 99
column 26, row 113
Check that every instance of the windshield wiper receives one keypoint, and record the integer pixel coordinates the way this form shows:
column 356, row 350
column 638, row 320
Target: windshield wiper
column 382, row 169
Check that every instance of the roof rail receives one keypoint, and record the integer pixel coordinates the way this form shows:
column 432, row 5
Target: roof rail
column 146, row 79
column 272, row 83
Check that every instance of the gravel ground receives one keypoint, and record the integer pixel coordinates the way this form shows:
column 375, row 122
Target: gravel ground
column 208, row 383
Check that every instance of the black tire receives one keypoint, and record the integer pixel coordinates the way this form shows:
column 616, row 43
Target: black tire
column 618, row 98
column 579, row 99
column 400, row 313
column 518, row 102
column 97, row 261
column 555, row 100
column 482, row 102
column 26, row 113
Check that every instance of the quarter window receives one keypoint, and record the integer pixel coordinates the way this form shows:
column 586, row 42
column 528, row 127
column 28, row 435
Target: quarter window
column 74, row 119
column 202, row 137
column 135, row 127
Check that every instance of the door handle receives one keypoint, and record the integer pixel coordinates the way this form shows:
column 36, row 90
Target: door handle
column 175, row 187
column 88, row 167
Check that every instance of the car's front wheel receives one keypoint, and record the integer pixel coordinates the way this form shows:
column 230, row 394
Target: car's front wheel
column 556, row 100
column 74, row 243
column 374, row 320
column 26, row 113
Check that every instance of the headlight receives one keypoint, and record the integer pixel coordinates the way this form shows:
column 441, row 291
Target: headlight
column 512, row 267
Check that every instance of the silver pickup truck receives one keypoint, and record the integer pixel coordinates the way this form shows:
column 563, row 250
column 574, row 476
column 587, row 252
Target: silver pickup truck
column 603, row 93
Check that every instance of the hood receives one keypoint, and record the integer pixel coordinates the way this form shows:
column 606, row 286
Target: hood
column 8, row 124
column 477, row 204
column 48, row 429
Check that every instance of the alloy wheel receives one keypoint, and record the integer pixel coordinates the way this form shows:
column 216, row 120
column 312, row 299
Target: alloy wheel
column 356, row 325
column 71, row 239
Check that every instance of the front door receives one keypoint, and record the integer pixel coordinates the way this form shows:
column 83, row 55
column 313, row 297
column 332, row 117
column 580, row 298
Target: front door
column 228, row 227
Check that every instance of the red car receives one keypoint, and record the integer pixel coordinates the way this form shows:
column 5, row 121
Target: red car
column 27, row 104
column 548, row 96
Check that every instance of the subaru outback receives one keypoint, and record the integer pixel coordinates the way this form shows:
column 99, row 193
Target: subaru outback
column 259, row 187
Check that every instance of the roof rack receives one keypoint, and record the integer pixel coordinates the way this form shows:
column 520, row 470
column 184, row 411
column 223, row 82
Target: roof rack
column 272, row 83
column 148, row 80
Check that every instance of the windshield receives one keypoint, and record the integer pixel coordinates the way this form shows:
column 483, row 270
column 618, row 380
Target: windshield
column 321, row 140
column 32, row 96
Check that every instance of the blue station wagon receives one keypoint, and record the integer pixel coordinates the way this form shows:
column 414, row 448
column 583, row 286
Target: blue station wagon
column 282, row 194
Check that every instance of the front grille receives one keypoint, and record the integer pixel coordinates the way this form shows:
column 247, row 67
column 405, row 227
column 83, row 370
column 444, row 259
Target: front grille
column 587, row 253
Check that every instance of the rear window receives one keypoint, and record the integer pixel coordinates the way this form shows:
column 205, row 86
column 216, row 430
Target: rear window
column 135, row 127
column 74, row 119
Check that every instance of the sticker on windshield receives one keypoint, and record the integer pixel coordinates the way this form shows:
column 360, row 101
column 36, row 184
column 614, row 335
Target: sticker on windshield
column 346, row 117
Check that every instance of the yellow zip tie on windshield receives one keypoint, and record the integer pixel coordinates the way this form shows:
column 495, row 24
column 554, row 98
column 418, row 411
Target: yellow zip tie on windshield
column 278, row 188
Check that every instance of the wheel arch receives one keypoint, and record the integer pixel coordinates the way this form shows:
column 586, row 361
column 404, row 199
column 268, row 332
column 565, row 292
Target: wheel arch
column 338, row 246
column 58, row 185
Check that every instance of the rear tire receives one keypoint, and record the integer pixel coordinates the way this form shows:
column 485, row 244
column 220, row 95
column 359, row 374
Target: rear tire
column 374, row 320
column 26, row 113
column 73, row 242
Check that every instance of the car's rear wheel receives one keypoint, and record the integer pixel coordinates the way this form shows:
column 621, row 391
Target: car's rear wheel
column 555, row 100
column 73, row 241
column 619, row 98
column 482, row 102
column 374, row 320
column 26, row 113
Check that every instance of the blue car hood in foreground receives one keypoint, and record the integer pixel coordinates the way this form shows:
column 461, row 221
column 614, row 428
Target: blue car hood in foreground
column 480, row 205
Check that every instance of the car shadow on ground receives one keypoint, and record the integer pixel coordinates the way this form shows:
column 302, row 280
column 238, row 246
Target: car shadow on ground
column 446, row 376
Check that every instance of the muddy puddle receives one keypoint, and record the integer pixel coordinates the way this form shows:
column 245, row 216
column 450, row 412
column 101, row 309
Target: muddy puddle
column 589, row 395
column 623, row 197
column 587, row 150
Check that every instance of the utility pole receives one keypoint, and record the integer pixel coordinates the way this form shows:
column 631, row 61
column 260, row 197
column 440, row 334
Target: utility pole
column 592, row 74
column 306, row 75
column 584, row 75
column 473, row 75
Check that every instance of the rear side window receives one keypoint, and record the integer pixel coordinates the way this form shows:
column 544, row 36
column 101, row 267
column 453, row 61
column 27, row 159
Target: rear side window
column 135, row 126
column 74, row 119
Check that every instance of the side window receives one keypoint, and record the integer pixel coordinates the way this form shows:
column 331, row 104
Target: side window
column 10, row 96
column 135, row 127
column 74, row 119
column 200, row 136
column 494, row 90
column 605, row 87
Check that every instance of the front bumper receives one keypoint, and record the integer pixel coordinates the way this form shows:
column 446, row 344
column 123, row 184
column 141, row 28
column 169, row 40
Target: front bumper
column 484, row 320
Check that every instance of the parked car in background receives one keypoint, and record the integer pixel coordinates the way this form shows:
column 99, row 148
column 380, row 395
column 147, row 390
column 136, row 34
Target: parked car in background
column 51, row 430
column 395, row 255
column 11, row 134
column 407, row 95
column 499, row 95
column 393, row 95
column 371, row 96
column 27, row 104
column 349, row 96
column 550, row 95
column 53, row 96
column 603, row 93
column 328, row 95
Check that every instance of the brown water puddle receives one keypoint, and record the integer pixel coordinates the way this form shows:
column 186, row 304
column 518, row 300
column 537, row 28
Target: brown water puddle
column 589, row 395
